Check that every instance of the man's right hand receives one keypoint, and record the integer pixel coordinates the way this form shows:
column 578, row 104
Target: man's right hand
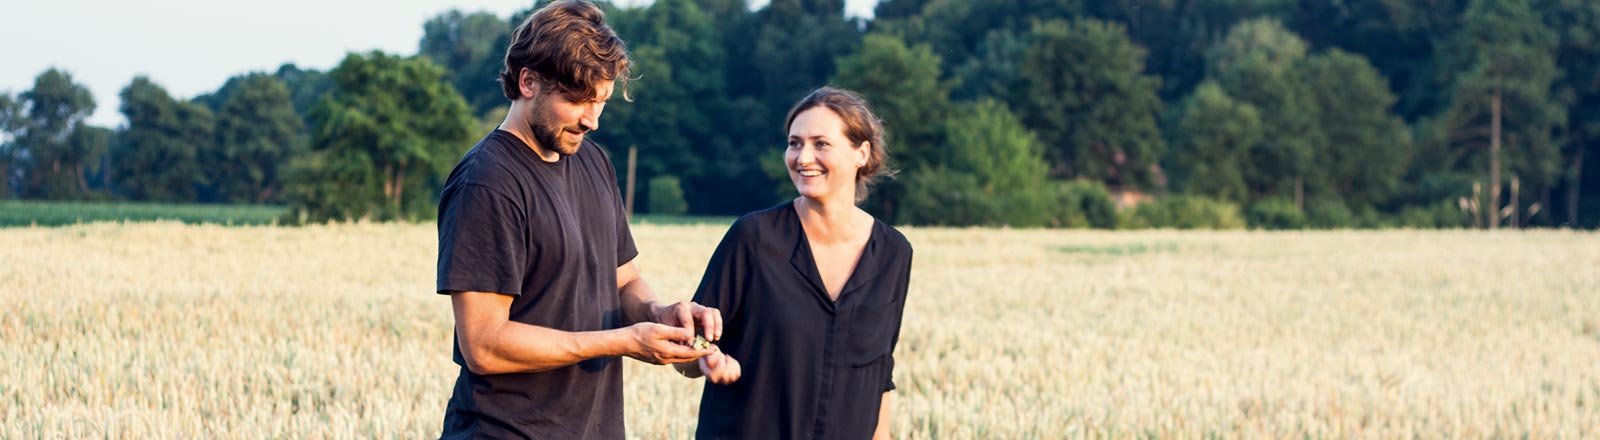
column 663, row 344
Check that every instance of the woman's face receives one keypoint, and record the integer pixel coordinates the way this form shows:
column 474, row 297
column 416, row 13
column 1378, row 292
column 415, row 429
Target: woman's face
column 821, row 161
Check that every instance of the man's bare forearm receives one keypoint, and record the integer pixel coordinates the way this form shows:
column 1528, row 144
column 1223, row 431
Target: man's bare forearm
column 493, row 344
column 639, row 300
column 515, row 347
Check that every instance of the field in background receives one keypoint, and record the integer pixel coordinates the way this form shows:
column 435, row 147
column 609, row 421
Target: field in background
column 59, row 213
column 166, row 330
column 681, row 220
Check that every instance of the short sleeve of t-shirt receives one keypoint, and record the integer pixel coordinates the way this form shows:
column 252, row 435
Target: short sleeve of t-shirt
column 489, row 256
column 626, row 250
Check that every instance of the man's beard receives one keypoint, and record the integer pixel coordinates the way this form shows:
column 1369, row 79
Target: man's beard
column 548, row 134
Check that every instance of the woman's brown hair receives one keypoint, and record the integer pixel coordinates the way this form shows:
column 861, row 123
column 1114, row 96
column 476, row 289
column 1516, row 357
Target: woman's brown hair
column 860, row 125
column 568, row 46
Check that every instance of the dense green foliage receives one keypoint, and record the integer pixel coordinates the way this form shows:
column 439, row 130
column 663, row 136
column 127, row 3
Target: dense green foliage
column 383, row 142
column 1284, row 114
column 666, row 196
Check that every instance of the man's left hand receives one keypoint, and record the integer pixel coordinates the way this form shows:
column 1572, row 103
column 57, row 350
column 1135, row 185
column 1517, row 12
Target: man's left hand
column 689, row 315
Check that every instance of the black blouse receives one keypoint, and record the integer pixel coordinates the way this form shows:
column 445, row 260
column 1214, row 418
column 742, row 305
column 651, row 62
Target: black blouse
column 811, row 367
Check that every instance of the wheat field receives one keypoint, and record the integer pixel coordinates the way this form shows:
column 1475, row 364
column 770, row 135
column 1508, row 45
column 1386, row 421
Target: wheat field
column 165, row 330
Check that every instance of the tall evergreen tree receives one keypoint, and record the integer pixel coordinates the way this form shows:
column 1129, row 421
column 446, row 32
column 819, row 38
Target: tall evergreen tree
column 1502, row 114
column 1577, row 26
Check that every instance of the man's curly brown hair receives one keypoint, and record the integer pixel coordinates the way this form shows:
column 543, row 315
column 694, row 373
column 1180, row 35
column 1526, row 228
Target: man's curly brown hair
column 567, row 46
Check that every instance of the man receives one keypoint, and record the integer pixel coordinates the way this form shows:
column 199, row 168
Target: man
column 536, row 255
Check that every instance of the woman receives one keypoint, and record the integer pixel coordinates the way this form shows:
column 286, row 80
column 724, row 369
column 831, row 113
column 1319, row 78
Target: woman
column 811, row 292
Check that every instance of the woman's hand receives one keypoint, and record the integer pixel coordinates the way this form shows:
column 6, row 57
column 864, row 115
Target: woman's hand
column 720, row 368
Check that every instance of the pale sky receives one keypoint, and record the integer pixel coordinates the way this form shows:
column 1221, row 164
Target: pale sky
column 191, row 47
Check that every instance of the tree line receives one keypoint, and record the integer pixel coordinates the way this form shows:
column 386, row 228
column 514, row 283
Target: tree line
column 1055, row 113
